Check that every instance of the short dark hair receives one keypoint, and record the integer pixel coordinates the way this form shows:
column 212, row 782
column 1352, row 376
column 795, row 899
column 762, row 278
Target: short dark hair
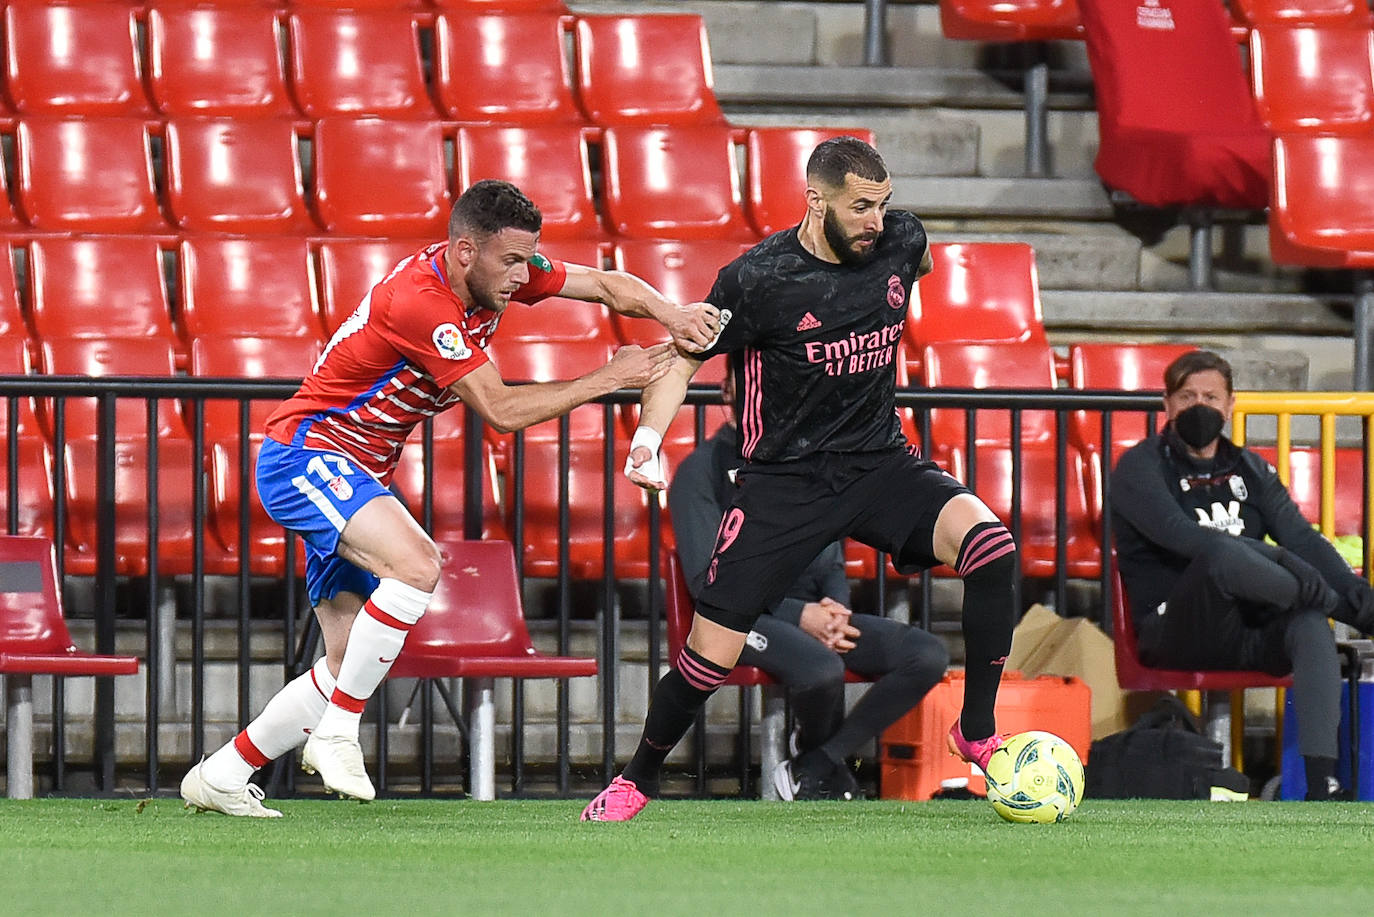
column 1194, row 361
column 838, row 157
column 490, row 206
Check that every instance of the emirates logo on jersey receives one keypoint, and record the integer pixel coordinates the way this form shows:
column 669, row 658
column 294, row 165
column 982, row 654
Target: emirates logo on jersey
column 896, row 296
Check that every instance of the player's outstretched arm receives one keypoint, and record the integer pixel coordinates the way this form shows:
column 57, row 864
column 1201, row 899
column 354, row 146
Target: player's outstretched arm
column 693, row 325
column 658, row 406
column 513, row 407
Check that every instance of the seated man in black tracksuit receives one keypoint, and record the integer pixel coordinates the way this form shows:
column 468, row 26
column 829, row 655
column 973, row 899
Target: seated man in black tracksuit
column 809, row 639
column 1191, row 511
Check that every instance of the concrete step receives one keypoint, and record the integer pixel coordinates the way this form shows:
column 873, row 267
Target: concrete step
column 866, row 87
column 984, row 198
column 1097, row 256
column 929, row 144
column 1194, row 313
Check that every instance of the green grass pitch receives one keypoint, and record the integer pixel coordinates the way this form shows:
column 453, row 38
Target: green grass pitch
column 415, row 857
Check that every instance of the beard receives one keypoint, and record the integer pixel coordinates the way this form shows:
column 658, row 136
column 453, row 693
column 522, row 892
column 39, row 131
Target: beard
column 842, row 245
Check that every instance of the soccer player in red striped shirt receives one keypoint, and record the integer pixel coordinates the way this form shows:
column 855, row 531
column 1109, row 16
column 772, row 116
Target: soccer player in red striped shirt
column 413, row 348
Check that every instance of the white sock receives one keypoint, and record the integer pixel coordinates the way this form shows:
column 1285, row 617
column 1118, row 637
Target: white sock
column 375, row 641
column 282, row 725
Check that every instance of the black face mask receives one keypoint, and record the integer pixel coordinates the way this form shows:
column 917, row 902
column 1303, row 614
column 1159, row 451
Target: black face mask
column 1199, row 425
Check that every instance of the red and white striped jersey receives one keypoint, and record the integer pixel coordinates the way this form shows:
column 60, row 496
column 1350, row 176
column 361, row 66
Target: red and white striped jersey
column 390, row 364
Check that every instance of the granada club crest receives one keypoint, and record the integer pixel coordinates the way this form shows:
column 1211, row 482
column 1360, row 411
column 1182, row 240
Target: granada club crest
column 896, row 296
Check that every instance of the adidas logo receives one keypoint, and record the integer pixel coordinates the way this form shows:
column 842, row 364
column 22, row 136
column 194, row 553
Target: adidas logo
column 809, row 322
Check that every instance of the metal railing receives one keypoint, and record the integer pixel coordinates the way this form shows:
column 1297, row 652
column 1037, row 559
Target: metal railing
column 294, row 623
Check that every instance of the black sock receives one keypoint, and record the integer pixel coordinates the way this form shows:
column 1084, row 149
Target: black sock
column 987, row 563
column 1318, row 770
column 672, row 710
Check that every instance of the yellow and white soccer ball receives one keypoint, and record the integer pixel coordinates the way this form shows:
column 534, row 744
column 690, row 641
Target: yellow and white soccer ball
column 1035, row 777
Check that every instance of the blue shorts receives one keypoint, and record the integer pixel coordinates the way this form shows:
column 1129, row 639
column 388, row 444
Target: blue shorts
column 314, row 494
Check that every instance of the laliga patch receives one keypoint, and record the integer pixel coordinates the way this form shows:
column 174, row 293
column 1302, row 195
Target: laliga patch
column 448, row 340
column 341, row 488
column 541, row 263
column 896, row 296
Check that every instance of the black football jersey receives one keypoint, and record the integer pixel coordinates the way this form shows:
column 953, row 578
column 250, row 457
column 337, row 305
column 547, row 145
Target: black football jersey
column 817, row 342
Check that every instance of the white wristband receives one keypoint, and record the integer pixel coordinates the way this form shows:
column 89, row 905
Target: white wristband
column 648, row 437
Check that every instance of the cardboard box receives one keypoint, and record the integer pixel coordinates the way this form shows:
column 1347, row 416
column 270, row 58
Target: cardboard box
column 1046, row 644
column 915, row 762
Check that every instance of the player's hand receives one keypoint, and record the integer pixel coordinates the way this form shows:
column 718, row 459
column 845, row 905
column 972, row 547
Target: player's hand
column 694, row 326
column 635, row 367
column 645, row 468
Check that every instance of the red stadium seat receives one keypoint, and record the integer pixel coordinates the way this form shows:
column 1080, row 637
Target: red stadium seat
column 358, row 61
column 1017, row 20
column 777, row 159
column 1302, row 12
column 1134, row 675
column 550, row 163
column 502, row 6
column 976, row 291
column 34, row 640
column 78, row 58
column 349, row 268
column 11, row 318
column 34, row 485
column 239, row 175
column 475, row 629
column 649, row 69
column 1177, row 121
column 448, row 507
column 673, row 183
column 259, row 287
column 586, row 502
column 105, row 286
column 87, row 175
column 110, row 356
column 1123, row 367
column 247, row 358
column 504, row 67
column 1324, row 194
column 217, row 60
column 547, row 361
column 992, row 474
column 178, row 466
column 683, row 271
column 377, row 177
column 558, row 319
column 1020, row 365
column 1001, row 364
column 1304, row 474
column 243, row 357
column 1309, row 79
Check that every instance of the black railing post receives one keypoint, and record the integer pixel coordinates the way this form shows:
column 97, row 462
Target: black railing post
column 106, row 606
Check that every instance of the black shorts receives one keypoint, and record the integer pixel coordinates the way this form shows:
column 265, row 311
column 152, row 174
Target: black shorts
column 784, row 514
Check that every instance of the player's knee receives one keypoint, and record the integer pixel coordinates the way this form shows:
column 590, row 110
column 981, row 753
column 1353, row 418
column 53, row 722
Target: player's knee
column 826, row 672
column 421, row 568
column 988, row 553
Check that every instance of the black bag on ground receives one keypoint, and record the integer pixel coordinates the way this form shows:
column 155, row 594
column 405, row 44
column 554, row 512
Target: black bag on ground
column 1163, row 756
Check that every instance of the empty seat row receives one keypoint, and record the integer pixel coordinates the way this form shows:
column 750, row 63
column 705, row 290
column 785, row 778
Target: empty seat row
column 387, row 177
column 299, row 287
column 251, row 60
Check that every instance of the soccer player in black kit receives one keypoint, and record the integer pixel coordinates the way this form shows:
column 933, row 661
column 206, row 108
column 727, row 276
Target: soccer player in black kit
column 815, row 314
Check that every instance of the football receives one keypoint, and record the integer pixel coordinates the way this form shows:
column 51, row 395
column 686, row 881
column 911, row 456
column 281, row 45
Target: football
column 1035, row 777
